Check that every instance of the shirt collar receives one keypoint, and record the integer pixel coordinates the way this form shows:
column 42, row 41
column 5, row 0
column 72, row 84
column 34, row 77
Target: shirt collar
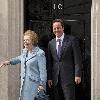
column 61, row 38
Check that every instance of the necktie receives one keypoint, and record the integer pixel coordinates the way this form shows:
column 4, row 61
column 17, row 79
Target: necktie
column 59, row 47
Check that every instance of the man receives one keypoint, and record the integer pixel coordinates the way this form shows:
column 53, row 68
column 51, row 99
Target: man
column 64, row 63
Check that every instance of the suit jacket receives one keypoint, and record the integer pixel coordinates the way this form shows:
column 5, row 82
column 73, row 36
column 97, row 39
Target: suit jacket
column 69, row 64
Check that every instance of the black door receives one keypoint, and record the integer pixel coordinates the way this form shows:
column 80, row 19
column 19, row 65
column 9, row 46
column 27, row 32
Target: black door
column 38, row 16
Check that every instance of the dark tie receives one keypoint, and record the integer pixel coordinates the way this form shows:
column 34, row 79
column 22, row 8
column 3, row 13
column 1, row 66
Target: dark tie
column 59, row 47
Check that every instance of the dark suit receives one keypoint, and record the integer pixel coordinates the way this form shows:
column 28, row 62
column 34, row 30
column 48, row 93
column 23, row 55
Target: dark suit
column 67, row 67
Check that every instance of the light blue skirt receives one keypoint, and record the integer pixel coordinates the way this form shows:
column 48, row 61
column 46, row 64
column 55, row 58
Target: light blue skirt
column 29, row 90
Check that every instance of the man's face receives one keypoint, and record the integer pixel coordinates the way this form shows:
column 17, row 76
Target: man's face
column 58, row 29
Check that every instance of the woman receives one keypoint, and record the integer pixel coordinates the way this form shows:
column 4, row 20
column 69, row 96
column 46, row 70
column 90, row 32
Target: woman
column 33, row 67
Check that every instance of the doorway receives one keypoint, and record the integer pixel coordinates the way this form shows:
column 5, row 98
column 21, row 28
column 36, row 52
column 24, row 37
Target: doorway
column 38, row 16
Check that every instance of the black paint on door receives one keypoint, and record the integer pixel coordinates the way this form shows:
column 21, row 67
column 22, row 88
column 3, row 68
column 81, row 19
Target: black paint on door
column 38, row 16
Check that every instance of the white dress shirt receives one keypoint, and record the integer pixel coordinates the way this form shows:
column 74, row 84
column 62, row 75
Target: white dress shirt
column 57, row 42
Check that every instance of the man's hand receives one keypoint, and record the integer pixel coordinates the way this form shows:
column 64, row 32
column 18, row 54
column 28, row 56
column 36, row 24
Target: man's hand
column 77, row 80
column 50, row 83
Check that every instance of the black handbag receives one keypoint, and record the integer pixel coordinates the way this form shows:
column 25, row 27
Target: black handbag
column 42, row 96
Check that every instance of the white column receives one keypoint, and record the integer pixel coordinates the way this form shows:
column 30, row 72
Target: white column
column 3, row 48
column 95, row 50
column 11, row 34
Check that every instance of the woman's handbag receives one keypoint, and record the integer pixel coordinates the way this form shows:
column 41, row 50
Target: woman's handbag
column 42, row 95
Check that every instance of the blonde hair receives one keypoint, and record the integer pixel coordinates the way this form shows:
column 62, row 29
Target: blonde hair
column 33, row 36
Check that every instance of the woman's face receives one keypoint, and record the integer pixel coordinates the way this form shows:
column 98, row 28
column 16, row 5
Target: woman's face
column 28, row 42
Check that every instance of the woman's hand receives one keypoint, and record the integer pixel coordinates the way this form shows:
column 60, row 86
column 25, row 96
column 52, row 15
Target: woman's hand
column 1, row 64
column 4, row 63
column 40, row 88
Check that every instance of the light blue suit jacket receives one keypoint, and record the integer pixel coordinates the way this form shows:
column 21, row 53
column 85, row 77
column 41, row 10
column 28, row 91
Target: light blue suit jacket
column 33, row 66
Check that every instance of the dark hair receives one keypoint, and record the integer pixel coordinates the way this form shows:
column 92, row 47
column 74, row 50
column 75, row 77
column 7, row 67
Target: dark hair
column 59, row 20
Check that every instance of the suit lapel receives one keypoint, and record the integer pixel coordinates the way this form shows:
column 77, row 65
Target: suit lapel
column 64, row 44
column 34, row 52
column 54, row 47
